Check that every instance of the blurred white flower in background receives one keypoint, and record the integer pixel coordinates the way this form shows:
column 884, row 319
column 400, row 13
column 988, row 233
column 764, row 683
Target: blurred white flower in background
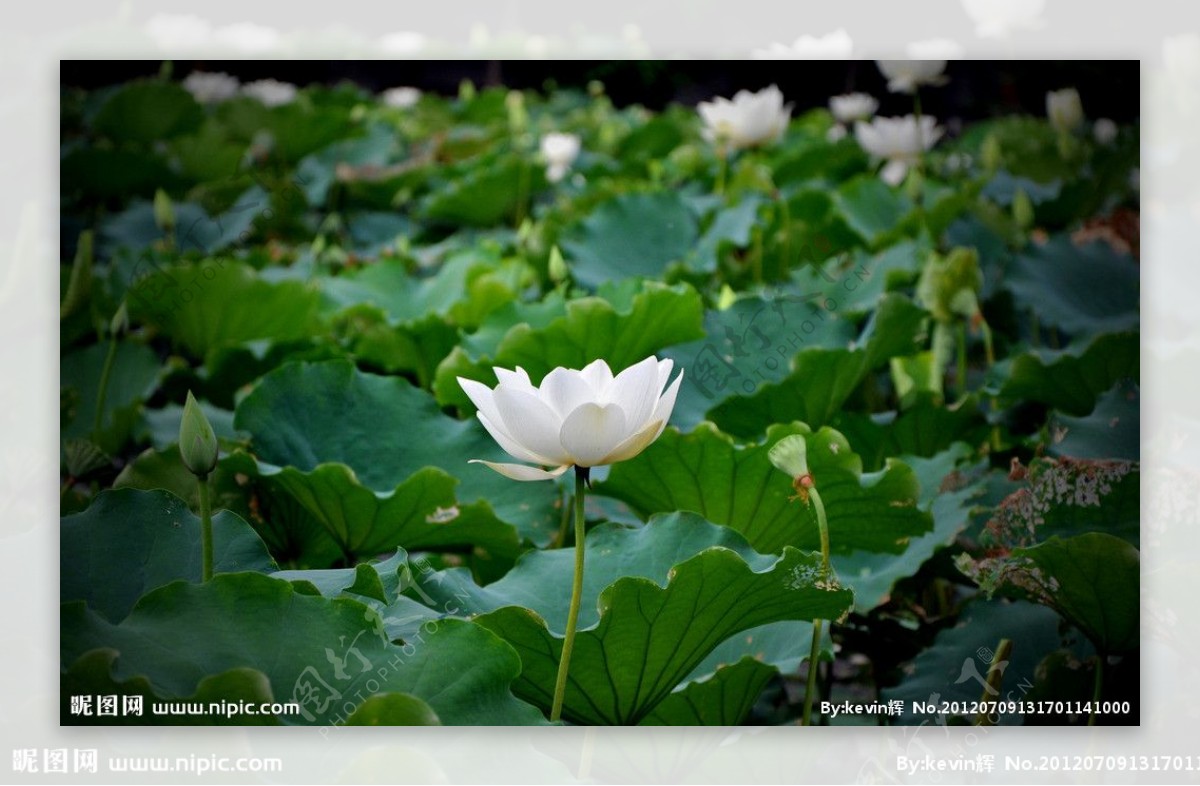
column 905, row 76
column 211, row 88
column 179, row 31
column 899, row 141
column 1064, row 109
column 934, row 48
column 852, row 107
column 832, row 46
column 559, row 150
column 1104, row 131
column 998, row 18
column 749, row 119
column 848, row 109
column 401, row 97
column 956, row 162
column 248, row 37
column 271, row 92
column 402, row 43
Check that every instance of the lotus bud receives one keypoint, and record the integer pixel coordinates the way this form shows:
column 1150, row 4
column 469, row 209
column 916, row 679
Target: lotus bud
column 79, row 286
column 164, row 212
column 120, row 320
column 990, row 155
column 197, row 441
column 557, row 267
column 1022, row 209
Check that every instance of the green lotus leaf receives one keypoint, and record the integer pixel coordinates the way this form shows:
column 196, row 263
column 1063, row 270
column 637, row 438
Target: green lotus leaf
column 736, row 485
column 724, row 699
column 221, row 303
column 1091, row 579
column 128, row 542
column 948, row 491
column 1070, row 379
column 1112, row 430
column 630, row 325
column 1083, row 289
column 91, row 676
column 657, row 600
column 148, row 111
column 327, row 655
column 746, row 345
column 629, row 236
column 821, row 380
column 393, row 709
column 871, row 208
column 135, row 375
column 380, row 466
column 954, row 668
column 486, row 193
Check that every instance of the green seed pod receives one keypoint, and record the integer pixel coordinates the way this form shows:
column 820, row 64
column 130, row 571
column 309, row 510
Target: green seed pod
column 950, row 284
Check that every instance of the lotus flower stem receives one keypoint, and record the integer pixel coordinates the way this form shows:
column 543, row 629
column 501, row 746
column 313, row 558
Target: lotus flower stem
column 722, row 165
column 560, row 684
column 919, row 193
column 785, row 218
column 995, row 676
column 814, row 655
column 961, row 372
column 522, row 192
column 988, row 347
column 206, row 533
column 990, row 352
column 758, row 256
column 920, row 141
column 565, row 523
column 102, row 391
column 1097, row 689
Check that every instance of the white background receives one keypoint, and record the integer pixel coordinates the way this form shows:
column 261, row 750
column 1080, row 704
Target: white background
column 1166, row 37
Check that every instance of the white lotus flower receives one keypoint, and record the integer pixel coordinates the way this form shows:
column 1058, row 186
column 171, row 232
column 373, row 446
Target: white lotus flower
column 898, row 140
column 852, row 107
column 582, row 418
column 211, row 88
column 1064, row 109
column 1104, row 131
column 905, row 76
column 749, row 119
column 401, row 97
column 559, row 150
column 271, row 92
